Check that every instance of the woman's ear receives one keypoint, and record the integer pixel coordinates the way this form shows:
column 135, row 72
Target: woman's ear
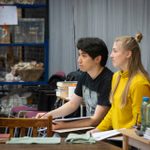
column 129, row 54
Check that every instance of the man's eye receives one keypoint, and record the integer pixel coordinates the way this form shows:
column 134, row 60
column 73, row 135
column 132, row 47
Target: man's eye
column 84, row 55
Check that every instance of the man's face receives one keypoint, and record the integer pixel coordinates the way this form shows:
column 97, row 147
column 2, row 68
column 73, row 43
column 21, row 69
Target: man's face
column 85, row 62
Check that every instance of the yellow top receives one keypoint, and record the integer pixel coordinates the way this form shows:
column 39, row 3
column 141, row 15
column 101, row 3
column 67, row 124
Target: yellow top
column 126, row 117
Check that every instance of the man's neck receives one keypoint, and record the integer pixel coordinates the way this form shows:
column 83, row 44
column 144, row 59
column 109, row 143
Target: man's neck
column 95, row 72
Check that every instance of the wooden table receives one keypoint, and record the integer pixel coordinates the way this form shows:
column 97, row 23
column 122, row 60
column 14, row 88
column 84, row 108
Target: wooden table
column 131, row 138
column 63, row 146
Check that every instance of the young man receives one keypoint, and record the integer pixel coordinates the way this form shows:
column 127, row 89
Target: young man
column 93, row 87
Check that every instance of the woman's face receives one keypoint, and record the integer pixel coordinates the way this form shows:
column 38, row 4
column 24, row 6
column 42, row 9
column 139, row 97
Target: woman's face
column 120, row 57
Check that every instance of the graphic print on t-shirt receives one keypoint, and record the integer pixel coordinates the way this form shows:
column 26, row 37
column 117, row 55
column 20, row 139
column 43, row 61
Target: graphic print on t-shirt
column 91, row 100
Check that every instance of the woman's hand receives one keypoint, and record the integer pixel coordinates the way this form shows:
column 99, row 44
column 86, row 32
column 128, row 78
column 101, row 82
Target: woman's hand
column 93, row 131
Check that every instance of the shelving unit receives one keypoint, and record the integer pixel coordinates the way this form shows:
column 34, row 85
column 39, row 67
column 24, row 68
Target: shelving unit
column 27, row 51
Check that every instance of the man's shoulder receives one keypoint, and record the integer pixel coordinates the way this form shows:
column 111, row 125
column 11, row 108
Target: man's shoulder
column 106, row 74
column 108, row 71
column 84, row 75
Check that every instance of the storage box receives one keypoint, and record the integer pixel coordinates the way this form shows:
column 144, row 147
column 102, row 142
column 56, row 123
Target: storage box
column 30, row 74
column 7, row 2
column 29, row 31
column 64, row 89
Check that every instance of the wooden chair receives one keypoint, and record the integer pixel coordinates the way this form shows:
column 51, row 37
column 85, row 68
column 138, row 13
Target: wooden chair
column 25, row 123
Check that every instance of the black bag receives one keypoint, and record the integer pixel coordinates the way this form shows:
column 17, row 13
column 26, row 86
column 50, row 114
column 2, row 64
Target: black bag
column 74, row 76
column 47, row 95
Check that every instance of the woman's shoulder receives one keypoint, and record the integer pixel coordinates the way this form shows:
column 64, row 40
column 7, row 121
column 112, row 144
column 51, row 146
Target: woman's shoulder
column 116, row 74
column 139, row 78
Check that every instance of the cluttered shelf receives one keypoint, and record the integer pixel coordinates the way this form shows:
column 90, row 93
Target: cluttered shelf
column 24, row 40
column 22, row 44
column 26, row 5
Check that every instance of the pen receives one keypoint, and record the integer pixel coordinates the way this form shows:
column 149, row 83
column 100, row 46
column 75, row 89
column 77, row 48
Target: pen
column 42, row 115
column 136, row 126
column 54, row 123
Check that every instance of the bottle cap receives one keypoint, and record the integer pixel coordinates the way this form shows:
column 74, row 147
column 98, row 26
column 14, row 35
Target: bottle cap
column 146, row 99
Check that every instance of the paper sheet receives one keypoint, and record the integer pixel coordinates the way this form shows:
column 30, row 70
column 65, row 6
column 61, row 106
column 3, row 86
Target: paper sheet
column 8, row 15
column 71, row 119
column 105, row 134
column 72, row 129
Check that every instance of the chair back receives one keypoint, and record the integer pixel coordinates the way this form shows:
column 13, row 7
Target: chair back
column 23, row 124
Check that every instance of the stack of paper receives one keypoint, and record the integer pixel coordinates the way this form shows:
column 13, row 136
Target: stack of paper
column 4, row 138
column 147, row 134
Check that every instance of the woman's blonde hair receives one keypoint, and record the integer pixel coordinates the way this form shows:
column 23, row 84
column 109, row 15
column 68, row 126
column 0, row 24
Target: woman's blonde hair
column 134, row 65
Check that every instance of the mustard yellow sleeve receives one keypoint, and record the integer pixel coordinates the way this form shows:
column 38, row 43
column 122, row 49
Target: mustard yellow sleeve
column 137, row 93
column 106, row 123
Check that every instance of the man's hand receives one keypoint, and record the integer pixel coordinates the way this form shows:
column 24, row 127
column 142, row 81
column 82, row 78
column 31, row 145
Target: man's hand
column 58, row 125
column 41, row 115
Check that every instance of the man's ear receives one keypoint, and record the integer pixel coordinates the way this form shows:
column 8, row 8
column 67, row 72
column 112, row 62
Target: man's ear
column 98, row 59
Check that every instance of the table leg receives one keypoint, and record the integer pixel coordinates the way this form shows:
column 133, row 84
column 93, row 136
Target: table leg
column 125, row 143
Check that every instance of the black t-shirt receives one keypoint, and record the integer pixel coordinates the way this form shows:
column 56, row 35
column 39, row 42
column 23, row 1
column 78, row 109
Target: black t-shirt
column 94, row 91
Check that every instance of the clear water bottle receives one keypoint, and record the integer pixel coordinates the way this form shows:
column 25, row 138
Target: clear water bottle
column 145, row 102
column 148, row 116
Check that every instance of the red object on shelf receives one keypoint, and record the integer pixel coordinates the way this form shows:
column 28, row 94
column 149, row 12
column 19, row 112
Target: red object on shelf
column 4, row 138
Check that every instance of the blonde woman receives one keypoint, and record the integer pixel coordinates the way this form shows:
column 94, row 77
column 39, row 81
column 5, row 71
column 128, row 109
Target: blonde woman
column 129, row 85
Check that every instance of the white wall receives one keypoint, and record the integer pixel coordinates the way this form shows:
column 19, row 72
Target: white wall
column 106, row 19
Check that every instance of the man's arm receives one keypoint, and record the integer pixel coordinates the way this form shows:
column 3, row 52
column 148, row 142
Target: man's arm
column 94, row 120
column 64, row 110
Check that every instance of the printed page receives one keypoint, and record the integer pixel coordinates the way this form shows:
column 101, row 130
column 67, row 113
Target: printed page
column 105, row 134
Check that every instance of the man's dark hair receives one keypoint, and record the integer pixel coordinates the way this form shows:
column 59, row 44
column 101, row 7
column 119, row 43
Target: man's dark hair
column 94, row 47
